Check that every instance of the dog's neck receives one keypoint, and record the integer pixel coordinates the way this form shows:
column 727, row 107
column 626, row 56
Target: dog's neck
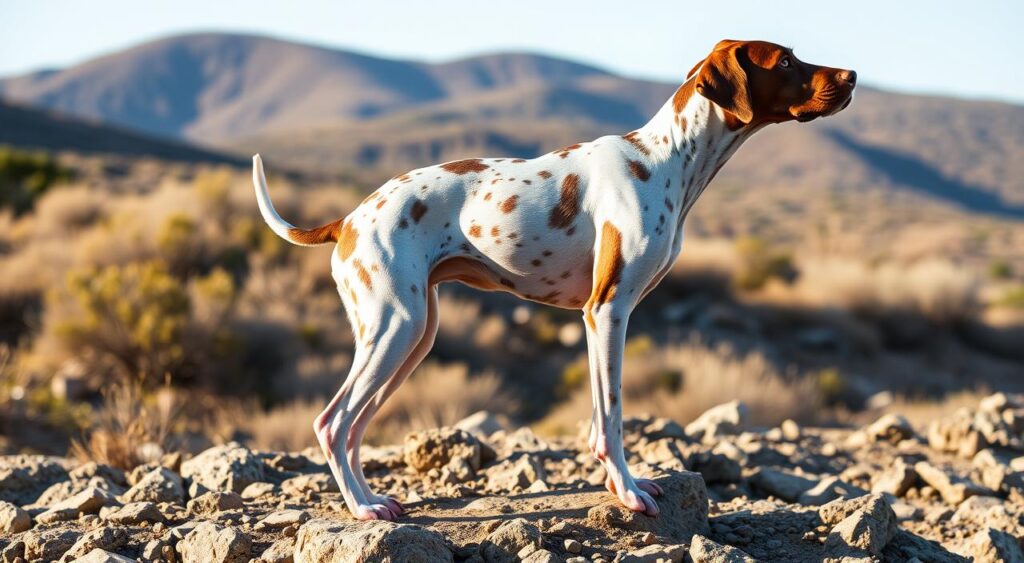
column 689, row 140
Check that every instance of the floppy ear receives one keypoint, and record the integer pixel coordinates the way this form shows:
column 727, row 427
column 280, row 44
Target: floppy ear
column 723, row 81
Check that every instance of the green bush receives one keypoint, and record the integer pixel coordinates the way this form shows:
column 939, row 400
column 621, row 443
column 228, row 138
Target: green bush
column 25, row 176
column 759, row 263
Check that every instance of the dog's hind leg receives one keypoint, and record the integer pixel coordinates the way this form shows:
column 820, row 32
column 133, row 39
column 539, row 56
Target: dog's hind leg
column 387, row 331
column 363, row 420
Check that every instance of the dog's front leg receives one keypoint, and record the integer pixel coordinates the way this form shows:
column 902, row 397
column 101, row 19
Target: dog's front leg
column 606, row 326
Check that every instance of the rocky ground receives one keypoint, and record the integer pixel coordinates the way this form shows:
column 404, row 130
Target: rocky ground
column 479, row 492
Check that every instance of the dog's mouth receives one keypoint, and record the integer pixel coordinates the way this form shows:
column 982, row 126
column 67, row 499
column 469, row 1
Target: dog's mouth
column 823, row 106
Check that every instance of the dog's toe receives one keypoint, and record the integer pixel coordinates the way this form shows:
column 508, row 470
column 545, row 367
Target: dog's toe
column 393, row 505
column 650, row 487
column 374, row 512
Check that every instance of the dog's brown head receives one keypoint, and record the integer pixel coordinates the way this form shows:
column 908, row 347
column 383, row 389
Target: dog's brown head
column 759, row 82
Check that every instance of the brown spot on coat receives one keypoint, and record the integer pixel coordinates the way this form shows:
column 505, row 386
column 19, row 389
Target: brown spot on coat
column 364, row 275
column 637, row 169
column 518, row 160
column 544, row 174
column 465, row 166
column 509, row 204
column 474, row 231
column 495, row 231
column 638, row 144
column 680, row 98
column 381, row 203
column 563, row 214
column 418, row 210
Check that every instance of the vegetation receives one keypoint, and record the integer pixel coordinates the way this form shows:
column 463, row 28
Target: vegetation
column 25, row 176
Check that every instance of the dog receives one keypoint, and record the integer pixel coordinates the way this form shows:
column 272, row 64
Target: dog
column 593, row 226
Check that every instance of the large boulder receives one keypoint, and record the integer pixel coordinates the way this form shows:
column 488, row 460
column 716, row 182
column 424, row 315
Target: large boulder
column 323, row 541
column 440, row 447
column 231, row 467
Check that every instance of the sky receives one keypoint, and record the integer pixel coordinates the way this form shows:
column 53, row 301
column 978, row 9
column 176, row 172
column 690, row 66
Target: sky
column 938, row 47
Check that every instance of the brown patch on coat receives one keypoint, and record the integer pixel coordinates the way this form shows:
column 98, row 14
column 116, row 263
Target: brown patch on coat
column 418, row 210
column 347, row 241
column 518, row 160
column 487, row 196
column 509, row 205
column 466, row 166
column 681, row 97
column 638, row 144
column 474, row 231
column 564, row 151
column 544, row 174
column 381, row 203
column 318, row 235
column 636, row 168
column 495, row 231
column 607, row 273
column 563, row 214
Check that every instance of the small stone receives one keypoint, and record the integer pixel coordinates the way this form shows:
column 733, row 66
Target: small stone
column 704, row 550
column 336, row 541
column 781, row 484
column 542, row 556
column 992, row 546
column 508, row 539
column 482, row 424
column 790, row 430
column 281, row 551
column 828, row 490
column 49, row 544
column 231, row 467
column 722, row 420
column 284, row 518
column 869, row 527
column 135, row 513
column 107, row 538
column 215, row 501
column 895, row 480
column 210, row 543
column 436, row 448
column 572, row 546
column 257, row 490
column 954, row 490
column 890, row 428
column 101, row 556
column 158, row 485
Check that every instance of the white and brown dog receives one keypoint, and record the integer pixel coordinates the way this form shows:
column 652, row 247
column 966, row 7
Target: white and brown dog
column 594, row 226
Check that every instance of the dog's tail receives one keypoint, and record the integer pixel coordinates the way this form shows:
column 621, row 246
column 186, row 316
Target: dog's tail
column 302, row 237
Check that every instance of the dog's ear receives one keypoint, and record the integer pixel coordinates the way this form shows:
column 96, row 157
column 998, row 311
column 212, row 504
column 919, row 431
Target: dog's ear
column 723, row 81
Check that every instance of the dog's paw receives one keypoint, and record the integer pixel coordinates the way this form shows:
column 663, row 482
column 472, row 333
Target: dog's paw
column 393, row 505
column 650, row 487
column 374, row 512
column 639, row 501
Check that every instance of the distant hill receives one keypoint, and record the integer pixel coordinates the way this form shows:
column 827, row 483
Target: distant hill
column 332, row 110
column 41, row 129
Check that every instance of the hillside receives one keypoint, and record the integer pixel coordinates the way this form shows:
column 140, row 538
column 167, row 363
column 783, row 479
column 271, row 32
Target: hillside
column 40, row 129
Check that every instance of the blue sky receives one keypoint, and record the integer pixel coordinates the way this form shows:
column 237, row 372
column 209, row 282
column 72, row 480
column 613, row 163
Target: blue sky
column 959, row 48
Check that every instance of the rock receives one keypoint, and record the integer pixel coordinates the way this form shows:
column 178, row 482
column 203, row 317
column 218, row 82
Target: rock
column 662, row 451
column 503, row 544
column 13, row 520
column 520, row 473
column 158, row 485
column 106, row 538
column 230, row 467
column 656, row 553
column 49, row 544
column 891, row 428
column 283, row 518
column 135, row 513
column 92, row 469
column 100, row 556
column 55, row 515
column 716, row 468
column 312, row 482
column 683, row 506
column 954, row 490
column 215, row 501
column 791, row 431
column 482, row 424
column 828, row 490
column 956, row 434
column 542, row 556
column 257, row 490
column 210, row 543
column 992, row 546
column 321, row 540
column 868, row 528
column 24, row 477
column 780, row 484
column 279, row 551
column 572, row 546
column 89, row 501
column 657, row 428
column 152, row 550
column 438, row 447
column 718, row 421
column 703, row 550
column 895, row 480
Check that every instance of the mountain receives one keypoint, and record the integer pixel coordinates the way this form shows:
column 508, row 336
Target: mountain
column 332, row 110
column 44, row 129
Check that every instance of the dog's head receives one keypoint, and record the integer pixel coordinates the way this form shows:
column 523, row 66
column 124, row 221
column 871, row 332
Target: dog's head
column 760, row 82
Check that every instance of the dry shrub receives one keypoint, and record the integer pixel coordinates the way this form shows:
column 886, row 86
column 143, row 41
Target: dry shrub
column 288, row 427
column 935, row 289
column 69, row 210
column 129, row 428
column 682, row 381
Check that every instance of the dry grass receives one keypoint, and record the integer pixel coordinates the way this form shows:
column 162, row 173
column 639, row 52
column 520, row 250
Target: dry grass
column 129, row 427
column 682, row 381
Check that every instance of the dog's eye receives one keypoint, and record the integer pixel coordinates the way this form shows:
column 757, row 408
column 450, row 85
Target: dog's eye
column 784, row 63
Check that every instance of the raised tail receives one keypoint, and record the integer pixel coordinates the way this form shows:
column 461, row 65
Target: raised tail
column 302, row 237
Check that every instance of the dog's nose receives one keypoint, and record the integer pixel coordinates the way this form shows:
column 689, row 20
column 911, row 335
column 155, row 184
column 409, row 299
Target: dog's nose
column 847, row 76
